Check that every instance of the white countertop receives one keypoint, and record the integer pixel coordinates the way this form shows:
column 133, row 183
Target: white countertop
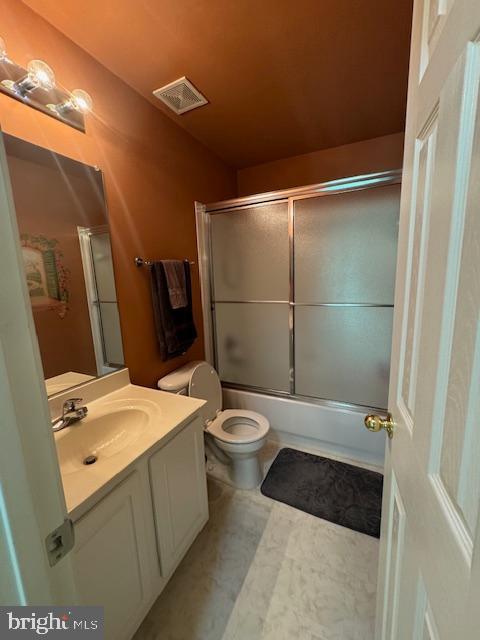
column 65, row 381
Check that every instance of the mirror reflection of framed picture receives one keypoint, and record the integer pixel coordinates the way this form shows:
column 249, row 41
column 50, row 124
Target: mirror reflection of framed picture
column 46, row 276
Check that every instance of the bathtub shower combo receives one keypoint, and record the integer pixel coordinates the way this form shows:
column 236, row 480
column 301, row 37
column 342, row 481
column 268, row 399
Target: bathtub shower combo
column 298, row 292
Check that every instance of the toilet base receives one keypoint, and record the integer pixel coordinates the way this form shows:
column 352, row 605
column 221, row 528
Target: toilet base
column 246, row 473
column 245, row 470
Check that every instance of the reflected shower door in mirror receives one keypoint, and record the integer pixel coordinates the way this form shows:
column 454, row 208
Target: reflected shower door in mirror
column 65, row 242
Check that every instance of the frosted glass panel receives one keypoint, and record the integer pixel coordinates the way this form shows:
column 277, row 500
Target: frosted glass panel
column 343, row 353
column 250, row 253
column 346, row 246
column 112, row 337
column 253, row 344
column 102, row 263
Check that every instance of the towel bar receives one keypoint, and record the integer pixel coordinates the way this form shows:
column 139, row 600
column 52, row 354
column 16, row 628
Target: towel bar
column 141, row 262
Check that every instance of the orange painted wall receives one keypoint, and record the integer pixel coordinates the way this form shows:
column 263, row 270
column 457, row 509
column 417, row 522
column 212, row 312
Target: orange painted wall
column 368, row 156
column 153, row 170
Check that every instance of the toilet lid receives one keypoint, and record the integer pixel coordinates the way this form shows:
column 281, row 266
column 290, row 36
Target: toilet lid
column 205, row 385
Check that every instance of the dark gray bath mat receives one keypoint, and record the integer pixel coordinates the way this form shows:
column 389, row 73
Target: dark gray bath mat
column 331, row 490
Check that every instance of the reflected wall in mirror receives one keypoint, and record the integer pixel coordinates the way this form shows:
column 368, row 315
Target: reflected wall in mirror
column 62, row 219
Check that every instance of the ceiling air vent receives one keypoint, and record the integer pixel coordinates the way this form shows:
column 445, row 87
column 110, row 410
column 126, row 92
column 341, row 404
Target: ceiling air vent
column 180, row 96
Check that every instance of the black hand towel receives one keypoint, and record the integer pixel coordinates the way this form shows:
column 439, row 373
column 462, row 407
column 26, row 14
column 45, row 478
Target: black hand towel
column 175, row 327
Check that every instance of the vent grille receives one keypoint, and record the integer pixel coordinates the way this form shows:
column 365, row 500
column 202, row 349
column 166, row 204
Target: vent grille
column 180, row 96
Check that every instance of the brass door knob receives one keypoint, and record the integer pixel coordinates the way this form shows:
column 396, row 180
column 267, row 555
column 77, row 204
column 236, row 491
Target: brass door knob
column 376, row 423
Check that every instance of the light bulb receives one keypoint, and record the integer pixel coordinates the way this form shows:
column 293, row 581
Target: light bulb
column 81, row 100
column 40, row 73
column 3, row 50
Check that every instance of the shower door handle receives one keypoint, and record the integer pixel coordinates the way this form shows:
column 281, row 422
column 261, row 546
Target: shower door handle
column 376, row 423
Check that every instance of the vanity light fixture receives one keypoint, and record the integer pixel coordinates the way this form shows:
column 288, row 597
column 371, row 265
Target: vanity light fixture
column 82, row 100
column 39, row 75
column 36, row 87
column 79, row 100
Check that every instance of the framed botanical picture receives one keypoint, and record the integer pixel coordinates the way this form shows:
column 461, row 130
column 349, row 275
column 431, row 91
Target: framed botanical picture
column 47, row 278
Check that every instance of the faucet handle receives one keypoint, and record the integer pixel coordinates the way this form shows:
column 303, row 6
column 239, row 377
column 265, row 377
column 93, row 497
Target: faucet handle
column 71, row 404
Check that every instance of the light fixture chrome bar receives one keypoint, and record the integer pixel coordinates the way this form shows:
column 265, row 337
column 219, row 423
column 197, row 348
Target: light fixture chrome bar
column 35, row 87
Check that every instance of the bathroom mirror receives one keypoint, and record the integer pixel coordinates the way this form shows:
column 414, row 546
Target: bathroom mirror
column 65, row 243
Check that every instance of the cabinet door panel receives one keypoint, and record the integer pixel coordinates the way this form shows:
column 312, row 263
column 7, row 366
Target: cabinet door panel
column 179, row 491
column 111, row 558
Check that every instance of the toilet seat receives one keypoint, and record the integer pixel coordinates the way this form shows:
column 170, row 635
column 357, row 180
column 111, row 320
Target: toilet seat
column 231, row 426
column 238, row 434
column 238, row 426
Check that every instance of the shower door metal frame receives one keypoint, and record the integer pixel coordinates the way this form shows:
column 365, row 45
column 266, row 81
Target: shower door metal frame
column 104, row 366
column 290, row 196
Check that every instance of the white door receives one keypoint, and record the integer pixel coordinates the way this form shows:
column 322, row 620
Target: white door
column 31, row 495
column 429, row 583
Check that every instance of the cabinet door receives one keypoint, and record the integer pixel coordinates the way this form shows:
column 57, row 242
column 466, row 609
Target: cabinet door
column 179, row 490
column 111, row 558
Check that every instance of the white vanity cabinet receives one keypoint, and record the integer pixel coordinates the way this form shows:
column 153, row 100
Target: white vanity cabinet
column 129, row 543
column 179, row 494
column 111, row 557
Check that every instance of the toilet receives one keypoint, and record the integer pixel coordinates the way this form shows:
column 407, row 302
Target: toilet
column 239, row 433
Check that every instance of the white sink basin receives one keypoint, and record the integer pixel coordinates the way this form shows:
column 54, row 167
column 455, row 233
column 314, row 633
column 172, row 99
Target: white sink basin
column 107, row 430
column 122, row 425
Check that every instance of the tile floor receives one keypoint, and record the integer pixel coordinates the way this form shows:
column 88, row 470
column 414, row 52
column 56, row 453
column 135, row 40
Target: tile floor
column 261, row 570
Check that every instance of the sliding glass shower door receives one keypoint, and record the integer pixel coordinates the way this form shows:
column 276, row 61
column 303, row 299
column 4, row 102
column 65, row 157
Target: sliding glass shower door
column 302, row 293
column 250, row 260
column 344, row 265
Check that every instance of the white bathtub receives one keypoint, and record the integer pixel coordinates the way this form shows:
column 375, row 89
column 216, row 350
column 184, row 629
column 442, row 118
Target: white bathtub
column 319, row 428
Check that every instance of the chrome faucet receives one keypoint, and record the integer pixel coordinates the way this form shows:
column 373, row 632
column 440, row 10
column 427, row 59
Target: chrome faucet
column 71, row 413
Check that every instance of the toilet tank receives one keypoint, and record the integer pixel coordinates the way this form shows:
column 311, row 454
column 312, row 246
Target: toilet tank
column 177, row 381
